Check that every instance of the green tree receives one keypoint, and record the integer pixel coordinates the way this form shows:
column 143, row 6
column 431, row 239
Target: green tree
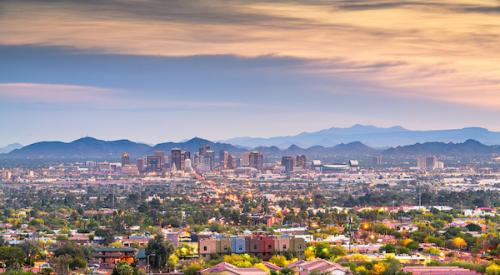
column 107, row 235
column 493, row 269
column 279, row 260
column 473, row 227
column 61, row 264
column 123, row 268
column 72, row 255
column 388, row 248
column 173, row 261
column 158, row 251
column 287, row 271
column 12, row 256
column 413, row 245
column 192, row 268
column 392, row 266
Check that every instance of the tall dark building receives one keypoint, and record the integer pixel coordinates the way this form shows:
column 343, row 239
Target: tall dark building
column 231, row 162
column 140, row 164
column 256, row 160
column 288, row 163
column 153, row 163
column 204, row 149
column 125, row 158
column 162, row 156
column 430, row 162
column 176, row 157
column 376, row 161
column 179, row 157
column 301, row 161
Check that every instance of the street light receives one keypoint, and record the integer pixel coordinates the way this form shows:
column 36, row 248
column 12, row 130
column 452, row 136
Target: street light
column 366, row 226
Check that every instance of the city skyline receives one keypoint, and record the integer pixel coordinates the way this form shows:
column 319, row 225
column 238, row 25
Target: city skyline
column 222, row 69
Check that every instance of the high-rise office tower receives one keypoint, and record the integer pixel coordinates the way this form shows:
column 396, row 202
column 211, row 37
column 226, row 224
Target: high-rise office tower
column 204, row 149
column 206, row 159
column 140, row 164
column 300, row 161
column 377, row 161
column 176, row 158
column 429, row 163
column 188, row 165
column 245, row 159
column 153, row 163
column 288, row 163
column 223, row 159
column 163, row 159
column 231, row 162
column 256, row 160
column 125, row 158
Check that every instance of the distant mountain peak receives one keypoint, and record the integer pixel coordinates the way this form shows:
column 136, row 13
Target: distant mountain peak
column 10, row 147
column 478, row 129
column 473, row 142
column 293, row 147
column 197, row 140
column 357, row 125
column 354, row 144
column 368, row 126
column 86, row 140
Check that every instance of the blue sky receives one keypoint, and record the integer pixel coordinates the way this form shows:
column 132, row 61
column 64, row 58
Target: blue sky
column 154, row 71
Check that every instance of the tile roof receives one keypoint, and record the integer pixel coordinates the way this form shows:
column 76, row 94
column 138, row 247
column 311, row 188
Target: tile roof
column 229, row 268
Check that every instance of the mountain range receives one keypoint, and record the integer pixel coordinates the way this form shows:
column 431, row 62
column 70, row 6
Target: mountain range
column 373, row 136
column 91, row 148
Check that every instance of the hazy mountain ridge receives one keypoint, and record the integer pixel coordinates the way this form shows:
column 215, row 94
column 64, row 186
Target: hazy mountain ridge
column 372, row 136
column 467, row 148
column 9, row 148
column 86, row 147
column 91, row 148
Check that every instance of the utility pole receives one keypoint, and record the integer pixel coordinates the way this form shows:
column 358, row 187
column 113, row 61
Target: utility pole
column 349, row 228
column 419, row 194
column 148, row 262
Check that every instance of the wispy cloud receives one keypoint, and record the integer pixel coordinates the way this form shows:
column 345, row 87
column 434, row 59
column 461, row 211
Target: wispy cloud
column 98, row 97
column 53, row 93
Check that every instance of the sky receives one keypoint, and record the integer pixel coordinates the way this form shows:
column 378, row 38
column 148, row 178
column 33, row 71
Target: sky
column 155, row 71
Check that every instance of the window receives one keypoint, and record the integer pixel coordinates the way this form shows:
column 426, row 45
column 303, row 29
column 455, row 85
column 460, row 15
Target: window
column 205, row 248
